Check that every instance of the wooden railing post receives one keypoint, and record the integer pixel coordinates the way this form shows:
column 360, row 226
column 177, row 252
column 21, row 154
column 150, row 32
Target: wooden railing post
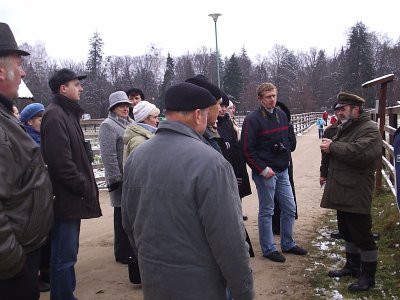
column 383, row 81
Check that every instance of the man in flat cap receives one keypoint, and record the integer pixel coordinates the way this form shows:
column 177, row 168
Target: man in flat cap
column 26, row 204
column 188, row 235
column 75, row 190
column 211, row 135
column 353, row 154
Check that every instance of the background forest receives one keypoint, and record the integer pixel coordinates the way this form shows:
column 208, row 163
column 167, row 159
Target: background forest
column 306, row 81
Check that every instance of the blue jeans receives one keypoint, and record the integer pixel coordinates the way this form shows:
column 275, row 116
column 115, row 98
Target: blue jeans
column 266, row 189
column 64, row 253
column 320, row 132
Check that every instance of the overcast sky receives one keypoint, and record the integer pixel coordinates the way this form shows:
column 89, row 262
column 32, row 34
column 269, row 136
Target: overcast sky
column 179, row 26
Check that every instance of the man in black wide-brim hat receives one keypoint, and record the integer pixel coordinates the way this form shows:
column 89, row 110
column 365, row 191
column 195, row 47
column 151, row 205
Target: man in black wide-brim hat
column 26, row 205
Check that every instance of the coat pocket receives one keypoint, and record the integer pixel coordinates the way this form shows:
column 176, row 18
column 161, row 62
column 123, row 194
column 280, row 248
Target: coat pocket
column 346, row 188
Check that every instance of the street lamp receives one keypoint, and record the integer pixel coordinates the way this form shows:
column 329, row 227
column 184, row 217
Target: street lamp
column 215, row 18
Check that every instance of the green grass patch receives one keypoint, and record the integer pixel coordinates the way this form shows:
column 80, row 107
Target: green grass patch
column 327, row 253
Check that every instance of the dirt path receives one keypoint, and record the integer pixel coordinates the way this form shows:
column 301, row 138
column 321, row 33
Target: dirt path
column 99, row 277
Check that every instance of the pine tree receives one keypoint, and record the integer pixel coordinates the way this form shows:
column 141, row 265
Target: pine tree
column 95, row 60
column 359, row 62
column 97, row 87
column 169, row 77
column 233, row 79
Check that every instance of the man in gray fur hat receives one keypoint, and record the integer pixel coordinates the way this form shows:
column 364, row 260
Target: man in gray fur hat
column 26, row 205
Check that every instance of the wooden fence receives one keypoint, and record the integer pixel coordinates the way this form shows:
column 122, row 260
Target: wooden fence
column 387, row 121
column 390, row 124
column 301, row 122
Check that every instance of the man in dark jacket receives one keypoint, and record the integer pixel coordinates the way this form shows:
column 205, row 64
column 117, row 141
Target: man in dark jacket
column 329, row 132
column 26, row 204
column 71, row 173
column 267, row 151
column 276, row 218
column 353, row 153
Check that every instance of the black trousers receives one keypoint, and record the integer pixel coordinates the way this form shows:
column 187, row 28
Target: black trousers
column 356, row 228
column 45, row 255
column 122, row 246
column 24, row 285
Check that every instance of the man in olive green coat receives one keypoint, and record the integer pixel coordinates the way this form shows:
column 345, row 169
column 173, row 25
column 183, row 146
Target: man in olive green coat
column 354, row 151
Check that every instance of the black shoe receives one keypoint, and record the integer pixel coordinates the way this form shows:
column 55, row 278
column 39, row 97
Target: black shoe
column 296, row 250
column 344, row 272
column 245, row 218
column 275, row 256
column 336, row 235
column 122, row 260
column 376, row 236
column 362, row 284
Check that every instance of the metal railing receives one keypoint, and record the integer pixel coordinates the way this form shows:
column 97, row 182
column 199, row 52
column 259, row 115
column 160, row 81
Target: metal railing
column 301, row 122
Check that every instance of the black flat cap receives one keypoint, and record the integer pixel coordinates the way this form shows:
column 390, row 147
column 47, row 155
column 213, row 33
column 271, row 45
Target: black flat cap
column 201, row 80
column 61, row 77
column 225, row 99
column 187, row 96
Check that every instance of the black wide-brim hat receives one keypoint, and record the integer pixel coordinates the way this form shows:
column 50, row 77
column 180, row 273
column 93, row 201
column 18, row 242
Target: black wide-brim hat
column 8, row 45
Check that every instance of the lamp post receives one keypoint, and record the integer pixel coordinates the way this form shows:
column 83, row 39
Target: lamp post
column 215, row 18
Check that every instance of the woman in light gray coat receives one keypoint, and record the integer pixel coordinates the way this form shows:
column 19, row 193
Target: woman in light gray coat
column 111, row 135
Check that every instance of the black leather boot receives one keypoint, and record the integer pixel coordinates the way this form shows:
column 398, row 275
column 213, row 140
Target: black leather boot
column 351, row 268
column 367, row 278
column 133, row 270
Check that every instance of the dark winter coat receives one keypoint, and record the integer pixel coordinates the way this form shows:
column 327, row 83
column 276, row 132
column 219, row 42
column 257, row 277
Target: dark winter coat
column 354, row 153
column 329, row 132
column 26, row 201
column 212, row 138
column 74, row 185
column 233, row 153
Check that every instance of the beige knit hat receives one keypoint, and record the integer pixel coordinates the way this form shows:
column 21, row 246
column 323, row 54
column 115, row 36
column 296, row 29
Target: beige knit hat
column 144, row 109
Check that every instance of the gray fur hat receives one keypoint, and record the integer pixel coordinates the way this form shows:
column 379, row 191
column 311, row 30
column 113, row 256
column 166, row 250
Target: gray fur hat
column 116, row 98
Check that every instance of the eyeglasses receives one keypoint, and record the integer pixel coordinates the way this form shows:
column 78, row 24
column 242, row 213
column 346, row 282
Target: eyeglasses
column 123, row 105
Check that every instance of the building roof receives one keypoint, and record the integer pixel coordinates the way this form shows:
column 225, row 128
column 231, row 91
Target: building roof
column 24, row 92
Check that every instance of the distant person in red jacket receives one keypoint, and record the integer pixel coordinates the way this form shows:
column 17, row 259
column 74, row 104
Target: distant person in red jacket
column 333, row 120
column 325, row 117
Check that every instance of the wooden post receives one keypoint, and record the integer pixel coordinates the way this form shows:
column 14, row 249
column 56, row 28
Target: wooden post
column 381, row 113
